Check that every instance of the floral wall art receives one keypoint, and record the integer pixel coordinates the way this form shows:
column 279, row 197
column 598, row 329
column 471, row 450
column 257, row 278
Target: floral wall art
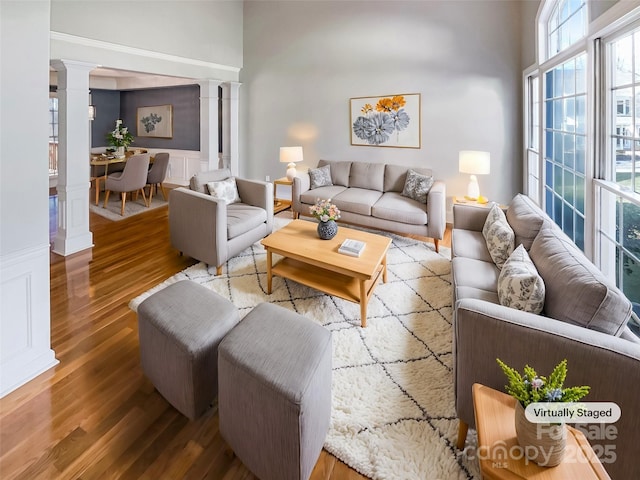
column 155, row 121
column 389, row 121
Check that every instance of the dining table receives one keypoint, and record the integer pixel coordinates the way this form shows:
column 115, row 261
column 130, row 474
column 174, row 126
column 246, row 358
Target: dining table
column 104, row 160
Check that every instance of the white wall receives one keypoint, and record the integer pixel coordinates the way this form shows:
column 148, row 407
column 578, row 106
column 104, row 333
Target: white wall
column 24, row 184
column 304, row 60
column 195, row 39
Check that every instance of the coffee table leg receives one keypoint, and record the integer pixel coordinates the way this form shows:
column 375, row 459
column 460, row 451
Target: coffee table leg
column 363, row 304
column 269, row 271
column 384, row 269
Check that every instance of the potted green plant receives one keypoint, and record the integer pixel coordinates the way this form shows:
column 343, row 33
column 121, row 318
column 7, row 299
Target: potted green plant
column 543, row 444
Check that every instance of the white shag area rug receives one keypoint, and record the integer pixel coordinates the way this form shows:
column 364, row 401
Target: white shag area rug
column 393, row 414
column 131, row 207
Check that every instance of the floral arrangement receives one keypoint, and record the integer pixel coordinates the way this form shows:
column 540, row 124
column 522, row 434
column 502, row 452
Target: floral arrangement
column 120, row 137
column 531, row 388
column 376, row 124
column 324, row 210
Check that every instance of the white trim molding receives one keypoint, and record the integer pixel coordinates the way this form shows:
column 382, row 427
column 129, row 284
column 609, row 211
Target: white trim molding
column 114, row 47
column 25, row 318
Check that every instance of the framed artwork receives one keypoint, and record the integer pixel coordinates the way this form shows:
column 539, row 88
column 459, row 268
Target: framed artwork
column 389, row 121
column 156, row 121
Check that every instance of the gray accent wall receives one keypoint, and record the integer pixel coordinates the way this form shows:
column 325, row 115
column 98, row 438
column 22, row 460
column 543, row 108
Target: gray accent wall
column 463, row 57
column 186, row 115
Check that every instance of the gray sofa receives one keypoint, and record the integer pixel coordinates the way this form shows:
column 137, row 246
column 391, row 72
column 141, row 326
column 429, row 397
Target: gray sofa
column 209, row 230
column 370, row 195
column 584, row 320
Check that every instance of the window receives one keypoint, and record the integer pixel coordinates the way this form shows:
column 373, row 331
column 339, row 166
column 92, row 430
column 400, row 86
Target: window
column 565, row 146
column 566, row 25
column 618, row 222
column 624, row 91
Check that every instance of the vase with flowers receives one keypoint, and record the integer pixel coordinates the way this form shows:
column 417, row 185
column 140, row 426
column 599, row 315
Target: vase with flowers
column 543, row 443
column 327, row 214
column 120, row 138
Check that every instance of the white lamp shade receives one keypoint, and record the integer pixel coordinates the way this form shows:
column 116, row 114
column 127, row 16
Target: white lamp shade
column 291, row 155
column 474, row 162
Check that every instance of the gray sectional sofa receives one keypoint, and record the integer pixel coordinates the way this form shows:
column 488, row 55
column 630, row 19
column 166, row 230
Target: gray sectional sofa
column 584, row 320
column 370, row 195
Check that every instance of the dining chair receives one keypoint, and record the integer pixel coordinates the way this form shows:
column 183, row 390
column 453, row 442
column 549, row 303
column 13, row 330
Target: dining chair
column 157, row 174
column 132, row 179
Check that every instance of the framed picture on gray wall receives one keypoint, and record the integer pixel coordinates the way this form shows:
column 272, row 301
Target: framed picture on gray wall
column 156, row 121
column 388, row 121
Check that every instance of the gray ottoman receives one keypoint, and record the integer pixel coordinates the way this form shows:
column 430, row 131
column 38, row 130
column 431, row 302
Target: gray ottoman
column 180, row 328
column 274, row 402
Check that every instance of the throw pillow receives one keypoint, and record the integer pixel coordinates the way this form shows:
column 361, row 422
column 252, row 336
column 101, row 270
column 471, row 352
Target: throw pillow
column 498, row 235
column 417, row 186
column 226, row 190
column 520, row 286
column 320, row 177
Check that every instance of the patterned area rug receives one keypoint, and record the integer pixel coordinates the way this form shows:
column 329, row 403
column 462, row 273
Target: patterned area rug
column 393, row 414
column 131, row 207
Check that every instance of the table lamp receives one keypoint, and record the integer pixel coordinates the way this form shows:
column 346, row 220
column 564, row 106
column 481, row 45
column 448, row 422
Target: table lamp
column 291, row 155
column 475, row 163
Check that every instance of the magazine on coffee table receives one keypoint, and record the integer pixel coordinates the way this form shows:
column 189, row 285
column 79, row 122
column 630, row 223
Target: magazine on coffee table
column 352, row 247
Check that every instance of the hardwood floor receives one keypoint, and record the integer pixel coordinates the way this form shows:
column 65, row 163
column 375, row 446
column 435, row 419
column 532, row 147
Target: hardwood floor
column 95, row 415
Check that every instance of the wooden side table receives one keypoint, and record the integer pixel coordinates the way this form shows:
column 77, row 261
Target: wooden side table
column 494, row 412
column 280, row 204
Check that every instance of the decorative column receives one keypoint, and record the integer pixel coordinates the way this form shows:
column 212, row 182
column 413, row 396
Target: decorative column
column 74, row 146
column 230, row 126
column 209, row 101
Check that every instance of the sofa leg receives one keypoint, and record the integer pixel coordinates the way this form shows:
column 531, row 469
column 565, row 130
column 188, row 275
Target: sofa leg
column 296, row 215
column 462, row 434
column 219, row 270
column 436, row 243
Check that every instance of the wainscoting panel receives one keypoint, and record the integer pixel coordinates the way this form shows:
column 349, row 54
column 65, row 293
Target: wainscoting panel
column 25, row 323
column 183, row 164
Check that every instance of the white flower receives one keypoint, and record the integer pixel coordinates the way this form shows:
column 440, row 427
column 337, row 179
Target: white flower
column 118, row 122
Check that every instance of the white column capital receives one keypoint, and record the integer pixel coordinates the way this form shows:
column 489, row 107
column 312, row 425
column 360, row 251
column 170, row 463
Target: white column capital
column 209, row 88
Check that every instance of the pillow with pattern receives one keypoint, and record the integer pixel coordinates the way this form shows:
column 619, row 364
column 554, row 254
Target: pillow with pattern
column 417, row 186
column 498, row 235
column 320, row 177
column 226, row 190
column 520, row 286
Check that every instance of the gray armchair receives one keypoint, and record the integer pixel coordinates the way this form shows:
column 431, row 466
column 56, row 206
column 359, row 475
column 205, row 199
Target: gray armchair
column 131, row 179
column 207, row 229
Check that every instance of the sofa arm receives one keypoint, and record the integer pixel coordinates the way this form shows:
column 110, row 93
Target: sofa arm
column 193, row 221
column 301, row 184
column 609, row 365
column 469, row 217
column 437, row 210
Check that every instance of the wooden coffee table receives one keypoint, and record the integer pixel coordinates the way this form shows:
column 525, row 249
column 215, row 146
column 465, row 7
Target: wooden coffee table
column 317, row 263
column 495, row 424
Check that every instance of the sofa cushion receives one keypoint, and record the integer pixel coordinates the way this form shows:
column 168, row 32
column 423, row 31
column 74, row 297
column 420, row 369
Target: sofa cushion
column 198, row 182
column 417, row 186
column 525, row 218
column 396, row 175
column 311, row 196
column 369, row 176
column 226, row 190
column 576, row 291
column 339, row 171
column 476, row 293
column 356, row 200
column 242, row 217
column 520, row 286
column 499, row 236
column 468, row 272
column 320, row 177
column 469, row 244
column 393, row 206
